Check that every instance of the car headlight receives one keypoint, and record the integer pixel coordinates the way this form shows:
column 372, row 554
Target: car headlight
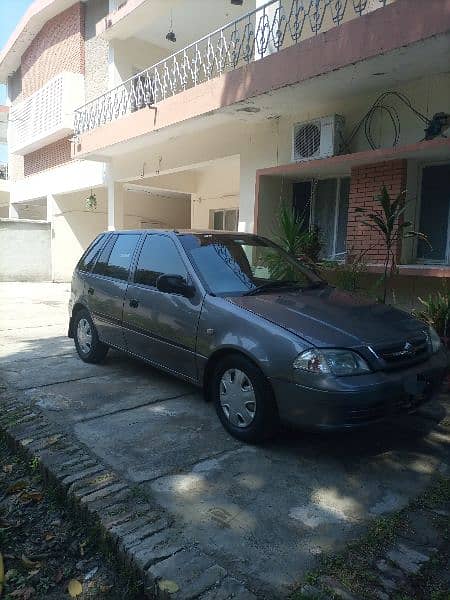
column 337, row 362
column 434, row 340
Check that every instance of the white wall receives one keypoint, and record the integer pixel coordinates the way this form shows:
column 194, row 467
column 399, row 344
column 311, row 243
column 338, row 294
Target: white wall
column 73, row 228
column 24, row 250
column 127, row 57
column 160, row 211
column 217, row 188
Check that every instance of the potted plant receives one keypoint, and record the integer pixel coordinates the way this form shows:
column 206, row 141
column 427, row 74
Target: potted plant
column 91, row 201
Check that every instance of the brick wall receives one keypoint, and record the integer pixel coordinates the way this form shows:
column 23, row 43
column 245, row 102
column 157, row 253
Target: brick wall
column 365, row 186
column 59, row 46
column 47, row 157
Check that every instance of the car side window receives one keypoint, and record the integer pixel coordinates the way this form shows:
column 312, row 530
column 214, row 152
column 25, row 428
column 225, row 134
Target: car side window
column 88, row 259
column 115, row 259
column 159, row 256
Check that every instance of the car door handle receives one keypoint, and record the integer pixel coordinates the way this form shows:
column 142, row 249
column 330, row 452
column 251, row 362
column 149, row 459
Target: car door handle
column 134, row 303
column 91, row 291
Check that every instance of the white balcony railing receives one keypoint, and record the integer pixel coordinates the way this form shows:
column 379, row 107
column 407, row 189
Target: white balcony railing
column 47, row 115
column 263, row 31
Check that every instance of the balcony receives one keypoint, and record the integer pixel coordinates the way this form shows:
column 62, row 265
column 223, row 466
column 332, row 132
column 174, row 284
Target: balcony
column 47, row 115
column 264, row 31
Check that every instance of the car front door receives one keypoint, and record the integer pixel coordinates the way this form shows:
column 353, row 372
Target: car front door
column 159, row 326
column 106, row 286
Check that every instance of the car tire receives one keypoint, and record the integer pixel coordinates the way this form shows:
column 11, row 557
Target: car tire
column 243, row 399
column 90, row 349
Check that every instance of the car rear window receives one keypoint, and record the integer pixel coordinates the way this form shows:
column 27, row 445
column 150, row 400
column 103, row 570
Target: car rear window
column 115, row 259
column 88, row 259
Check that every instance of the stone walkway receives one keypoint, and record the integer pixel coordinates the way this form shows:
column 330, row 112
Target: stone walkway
column 199, row 508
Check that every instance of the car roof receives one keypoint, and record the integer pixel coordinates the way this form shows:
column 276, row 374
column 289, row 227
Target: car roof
column 183, row 231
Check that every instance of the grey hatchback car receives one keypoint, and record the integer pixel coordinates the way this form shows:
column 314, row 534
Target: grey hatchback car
column 266, row 338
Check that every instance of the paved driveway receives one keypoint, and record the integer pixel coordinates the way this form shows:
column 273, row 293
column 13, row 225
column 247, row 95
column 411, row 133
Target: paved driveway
column 265, row 513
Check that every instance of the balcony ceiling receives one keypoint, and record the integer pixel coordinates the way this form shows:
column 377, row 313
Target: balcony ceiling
column 150, row 20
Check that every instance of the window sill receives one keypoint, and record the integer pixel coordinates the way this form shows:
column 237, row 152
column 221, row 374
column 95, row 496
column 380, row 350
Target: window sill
column 416, row 270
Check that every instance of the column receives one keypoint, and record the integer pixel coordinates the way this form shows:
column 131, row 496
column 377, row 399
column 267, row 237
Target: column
column 115, row 202
column 12, row 213
column 50, row 208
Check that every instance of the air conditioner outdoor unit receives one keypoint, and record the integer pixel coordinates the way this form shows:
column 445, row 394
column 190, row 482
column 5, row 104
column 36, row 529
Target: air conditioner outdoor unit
column 319, row 138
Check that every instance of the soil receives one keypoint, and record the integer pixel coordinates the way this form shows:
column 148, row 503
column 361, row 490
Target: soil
column 44, row 549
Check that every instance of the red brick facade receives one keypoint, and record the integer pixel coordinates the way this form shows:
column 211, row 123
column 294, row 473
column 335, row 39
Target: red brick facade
column 365, row 186
column 47, row 157
column 59, row 46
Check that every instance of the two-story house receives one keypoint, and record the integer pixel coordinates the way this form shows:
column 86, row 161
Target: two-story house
column 187, row 113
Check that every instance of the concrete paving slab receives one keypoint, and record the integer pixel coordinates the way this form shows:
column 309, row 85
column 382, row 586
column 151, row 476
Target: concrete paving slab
column 269, row 512
column 56, row 369
column 264, row 514
column 14, row 349
column 93, row 397
column 154, row 440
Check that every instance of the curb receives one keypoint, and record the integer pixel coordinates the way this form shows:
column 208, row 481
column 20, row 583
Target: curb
column 141, row 535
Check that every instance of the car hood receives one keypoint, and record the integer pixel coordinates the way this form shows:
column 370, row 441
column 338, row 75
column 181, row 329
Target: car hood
column 330, row 317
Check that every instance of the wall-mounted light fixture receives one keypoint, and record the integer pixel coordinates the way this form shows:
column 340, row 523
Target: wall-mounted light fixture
column 171, row 37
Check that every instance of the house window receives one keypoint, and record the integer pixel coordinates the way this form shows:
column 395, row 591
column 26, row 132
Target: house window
column 434, row 218
column 324, row 204
column 224, row 220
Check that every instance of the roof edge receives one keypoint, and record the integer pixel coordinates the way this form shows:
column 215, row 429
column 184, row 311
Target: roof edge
column 34, row 18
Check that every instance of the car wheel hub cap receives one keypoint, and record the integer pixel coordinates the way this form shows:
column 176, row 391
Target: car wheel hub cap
column 237, row 398
column 84, row 335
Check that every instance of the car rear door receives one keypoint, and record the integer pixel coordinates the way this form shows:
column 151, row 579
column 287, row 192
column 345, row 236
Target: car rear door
column 162, row 327
column 106, row 286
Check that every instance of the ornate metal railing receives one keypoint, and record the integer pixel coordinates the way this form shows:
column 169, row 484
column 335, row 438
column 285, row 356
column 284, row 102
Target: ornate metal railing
column 263, row 31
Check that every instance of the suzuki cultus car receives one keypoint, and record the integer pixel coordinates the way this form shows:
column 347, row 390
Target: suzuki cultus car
column 267, row 339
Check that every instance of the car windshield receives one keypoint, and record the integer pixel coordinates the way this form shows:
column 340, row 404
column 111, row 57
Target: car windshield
column 230, row 264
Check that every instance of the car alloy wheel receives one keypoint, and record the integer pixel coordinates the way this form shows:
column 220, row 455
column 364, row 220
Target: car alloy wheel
column 237, row 398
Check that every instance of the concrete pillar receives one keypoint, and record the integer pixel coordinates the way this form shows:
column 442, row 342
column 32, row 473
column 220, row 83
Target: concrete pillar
column 12, row 212
column 50, row 208
column 115, row 202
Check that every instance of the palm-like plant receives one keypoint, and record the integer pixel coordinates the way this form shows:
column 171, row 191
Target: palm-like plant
column 389, row 223
column 294, row 236
column 436, row 312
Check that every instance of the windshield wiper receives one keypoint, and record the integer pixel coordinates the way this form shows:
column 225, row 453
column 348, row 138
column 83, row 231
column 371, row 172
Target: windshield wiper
column 271, row 285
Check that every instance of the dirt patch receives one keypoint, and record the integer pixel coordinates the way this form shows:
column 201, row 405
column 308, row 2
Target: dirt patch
column 43, row 549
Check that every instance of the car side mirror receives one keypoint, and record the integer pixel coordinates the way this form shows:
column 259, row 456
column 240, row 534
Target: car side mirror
column 174, row 284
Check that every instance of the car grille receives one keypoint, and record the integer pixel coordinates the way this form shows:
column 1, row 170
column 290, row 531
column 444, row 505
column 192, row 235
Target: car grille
column 381, row 410
column 405, row 353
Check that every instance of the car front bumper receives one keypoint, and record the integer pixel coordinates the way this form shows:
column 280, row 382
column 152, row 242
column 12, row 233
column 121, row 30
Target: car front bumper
column 369, row 399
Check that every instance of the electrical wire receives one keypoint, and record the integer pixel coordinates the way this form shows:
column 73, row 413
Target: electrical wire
column 379, row 107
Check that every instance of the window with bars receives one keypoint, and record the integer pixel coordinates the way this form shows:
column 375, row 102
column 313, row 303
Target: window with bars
column 324, row 204
column 224, row 219
column 434, row 215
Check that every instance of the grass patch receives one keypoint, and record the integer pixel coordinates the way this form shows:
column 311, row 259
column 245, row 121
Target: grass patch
column 354, row 566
